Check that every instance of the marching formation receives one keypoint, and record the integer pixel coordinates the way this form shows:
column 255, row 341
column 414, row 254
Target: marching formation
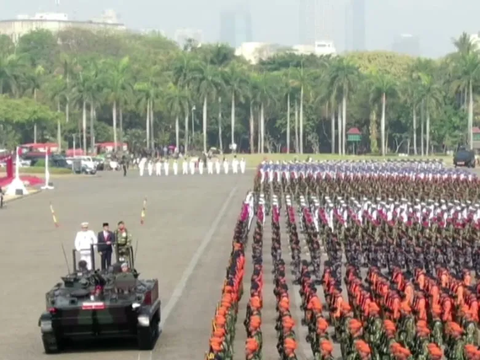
column 384, row 258
column 159, row 167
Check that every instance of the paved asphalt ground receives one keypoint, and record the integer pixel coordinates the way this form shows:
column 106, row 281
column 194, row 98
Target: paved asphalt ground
column 185, row 243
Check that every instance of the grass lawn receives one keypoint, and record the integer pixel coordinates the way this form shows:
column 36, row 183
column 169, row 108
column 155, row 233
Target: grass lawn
column 254, row 159
column 39, row 171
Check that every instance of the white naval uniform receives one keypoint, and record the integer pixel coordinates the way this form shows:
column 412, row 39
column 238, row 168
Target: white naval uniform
column 150, row 167
column 242, row 166
column 200, row 167
column 185, row 167
column 141, row 166
column 217, row 166
column 166, row 167
column 209, row 167
column 192, row 167
column 83, row 241
column 235, row 166
column 175, row 167
column 225, row 167
column 158, row 168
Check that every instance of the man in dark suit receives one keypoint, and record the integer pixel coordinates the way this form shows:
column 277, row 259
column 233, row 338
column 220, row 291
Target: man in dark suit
column 106, row 239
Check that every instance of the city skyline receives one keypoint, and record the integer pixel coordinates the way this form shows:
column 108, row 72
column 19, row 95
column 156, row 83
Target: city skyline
column 278, row 22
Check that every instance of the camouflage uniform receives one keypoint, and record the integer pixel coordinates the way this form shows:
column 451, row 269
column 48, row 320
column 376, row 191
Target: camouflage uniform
column 123, row 242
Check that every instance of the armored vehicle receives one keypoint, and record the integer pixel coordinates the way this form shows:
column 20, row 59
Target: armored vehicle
column 112, row 303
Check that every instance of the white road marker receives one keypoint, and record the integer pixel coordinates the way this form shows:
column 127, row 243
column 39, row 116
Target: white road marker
column 177, row 293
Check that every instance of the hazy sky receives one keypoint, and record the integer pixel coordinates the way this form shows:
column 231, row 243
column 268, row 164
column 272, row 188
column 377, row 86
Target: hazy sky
column 435, row 22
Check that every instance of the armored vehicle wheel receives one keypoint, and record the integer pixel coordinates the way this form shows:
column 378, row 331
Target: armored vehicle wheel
column 147, row 336
column 51, row 344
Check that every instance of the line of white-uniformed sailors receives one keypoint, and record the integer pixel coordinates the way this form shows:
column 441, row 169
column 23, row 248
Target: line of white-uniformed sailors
column 159, row 167
column 343, row 169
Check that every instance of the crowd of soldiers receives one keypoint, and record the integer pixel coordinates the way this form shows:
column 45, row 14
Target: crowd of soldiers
column 190, row 166
column 408, row 232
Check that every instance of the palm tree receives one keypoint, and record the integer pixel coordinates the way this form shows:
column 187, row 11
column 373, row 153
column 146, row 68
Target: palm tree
column 35, row 80
column 58, row 93
column 383, row 87
column 287, row 92
column 81, row 95
column 208, row 83
column 264, row 96
column 301, row 77
column 431, row 96
column 342, row 79
column 237, row 85
column 177, row 102
column 119, row 89
column 464, row 44
column 12, row 70
column 146, row 95
column 467, row 70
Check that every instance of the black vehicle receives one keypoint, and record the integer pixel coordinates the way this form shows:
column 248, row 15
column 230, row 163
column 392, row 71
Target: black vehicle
column 55, row 160
column 464, row 157
column 101, row 304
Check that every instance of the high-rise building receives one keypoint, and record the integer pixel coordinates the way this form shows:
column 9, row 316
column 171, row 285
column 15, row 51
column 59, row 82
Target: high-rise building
column 358, row 25
column 407, row 44
column 316, row 21
column 236, row 26
column 355, row 28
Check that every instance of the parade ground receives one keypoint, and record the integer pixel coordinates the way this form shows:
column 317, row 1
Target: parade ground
column 185, row 243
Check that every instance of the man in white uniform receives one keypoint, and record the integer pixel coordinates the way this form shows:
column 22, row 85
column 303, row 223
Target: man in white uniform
column 209, row 166
column 175, row 167
column 185, row 167
column 242, row 166
column 141, row 165
column 84, row 239
column 166, row 166
column 235, row 165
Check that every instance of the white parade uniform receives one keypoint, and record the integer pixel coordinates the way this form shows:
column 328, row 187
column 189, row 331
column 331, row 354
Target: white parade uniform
column 166, row 167
column 141, row 166
column 158, row 168
column 242, row 166
column 225, row 166
column 175, row 167
column 83, row 241
column 184, row 167
column 200, row 167
column 209, row 167
column 235, row 166
column 217, row 167
column 150, row 167
column 192, row 167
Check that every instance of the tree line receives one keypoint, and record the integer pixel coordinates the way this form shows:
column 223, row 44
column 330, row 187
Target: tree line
column 146, row 91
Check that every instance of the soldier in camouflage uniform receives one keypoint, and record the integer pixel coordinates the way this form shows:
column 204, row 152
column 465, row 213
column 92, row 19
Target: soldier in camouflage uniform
column 123, row 242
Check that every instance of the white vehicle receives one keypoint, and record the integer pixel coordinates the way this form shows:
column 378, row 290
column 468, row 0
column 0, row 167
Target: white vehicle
column 88, row 162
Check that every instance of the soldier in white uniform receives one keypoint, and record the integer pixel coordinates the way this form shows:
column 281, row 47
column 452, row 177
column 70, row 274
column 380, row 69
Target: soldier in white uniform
column 83, row 241
column 235, row 165
column 225, row 166
column 185, row 167
column 242, row 165
column 141, row 165
column 166, row 166
column 150, row 167
column 200, row 167
column 158, row 167
column 192, row 167
column 209, row 166
column 175, row 167
column 217, row 166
